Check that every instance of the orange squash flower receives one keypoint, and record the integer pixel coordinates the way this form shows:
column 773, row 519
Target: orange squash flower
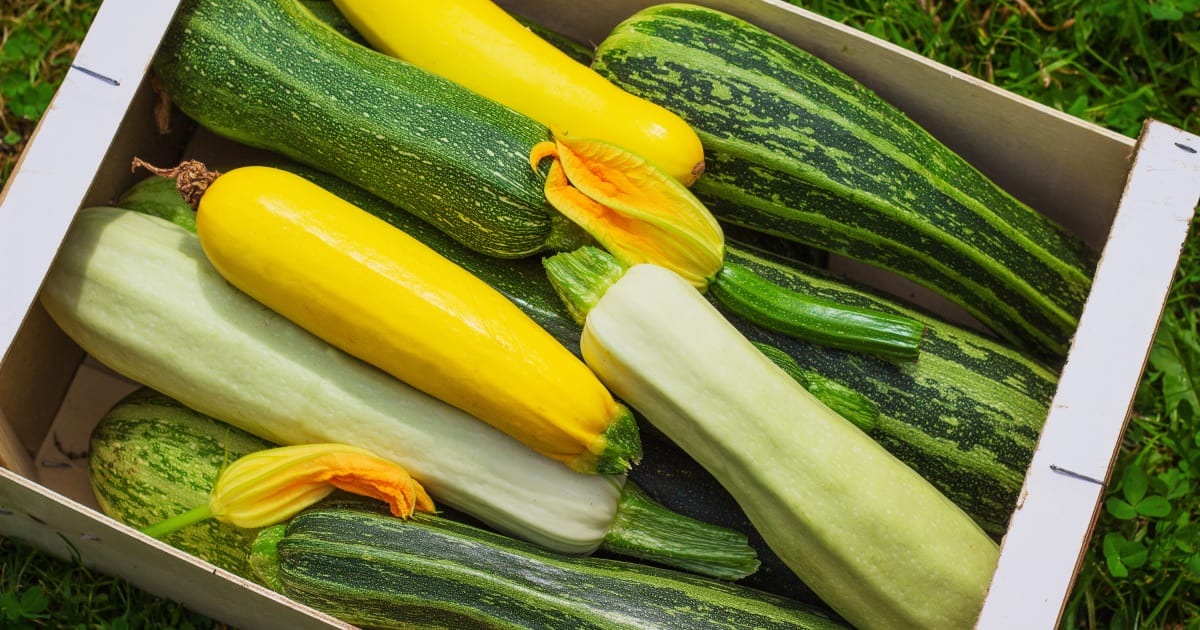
column 635, row 210
column 271, row 486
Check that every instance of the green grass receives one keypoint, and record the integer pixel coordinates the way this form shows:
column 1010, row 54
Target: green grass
column 1112, row 62
column 37, row 591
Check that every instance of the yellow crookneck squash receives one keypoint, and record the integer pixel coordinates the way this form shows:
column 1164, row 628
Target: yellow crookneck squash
column 478, row 45
column 384, row 297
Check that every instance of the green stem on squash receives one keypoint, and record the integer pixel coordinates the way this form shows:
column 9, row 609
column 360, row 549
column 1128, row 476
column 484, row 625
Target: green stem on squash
column 581, row 277
column 191, row 517
column 848, row 403
column 646, row 530
column 820, row 321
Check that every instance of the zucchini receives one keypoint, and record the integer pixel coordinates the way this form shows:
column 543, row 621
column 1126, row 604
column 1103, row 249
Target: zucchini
column 150, row 458
column 475, row 43
column 873, row 539
column 386, row 298
column 824, row 322
column 137, row 293
column 269, row 74
column 967, row 415
column 372, row 570
column 795, row 148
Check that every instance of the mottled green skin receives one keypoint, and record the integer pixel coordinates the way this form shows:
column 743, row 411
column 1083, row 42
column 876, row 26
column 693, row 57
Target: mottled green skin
column 269, row 74
column 151, row 458
column 376, row 571
column 795, row 148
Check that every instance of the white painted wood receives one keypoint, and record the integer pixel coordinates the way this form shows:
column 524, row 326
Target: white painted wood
column 1048, row 532
column 72, row 138
column 70, row 531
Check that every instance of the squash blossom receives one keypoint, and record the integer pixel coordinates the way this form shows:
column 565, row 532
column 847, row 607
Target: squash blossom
column 271, row 486
column 635, row 210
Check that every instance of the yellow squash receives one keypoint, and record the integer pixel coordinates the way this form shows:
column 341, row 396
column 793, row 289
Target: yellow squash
column 477, row 45
column 380, row 295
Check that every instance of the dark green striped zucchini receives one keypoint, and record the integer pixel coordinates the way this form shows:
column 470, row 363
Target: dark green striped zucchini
column 269, row 74
column 795, row 148
column 373, row 570
column 151, row 458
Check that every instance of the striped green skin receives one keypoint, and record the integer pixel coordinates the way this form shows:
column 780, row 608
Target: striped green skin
column 152, row 458
column 372, row 570
column 966, row 415
column 269, row 74
column 795, row 148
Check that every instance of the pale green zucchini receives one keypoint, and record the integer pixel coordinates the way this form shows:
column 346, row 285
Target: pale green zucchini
column 872, row 538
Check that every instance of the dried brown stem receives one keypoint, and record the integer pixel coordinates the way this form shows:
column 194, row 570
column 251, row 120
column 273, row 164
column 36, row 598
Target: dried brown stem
column 191, row 177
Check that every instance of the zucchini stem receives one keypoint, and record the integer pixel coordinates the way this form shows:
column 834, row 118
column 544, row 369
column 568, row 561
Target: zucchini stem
column 848, row 403
column 581, row 277
column 647, row 530
column 191, row 177
column 191, row 517
column 817, row 320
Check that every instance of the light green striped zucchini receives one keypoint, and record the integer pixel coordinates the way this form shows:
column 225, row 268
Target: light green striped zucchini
column 150, row 458
column 795, row 148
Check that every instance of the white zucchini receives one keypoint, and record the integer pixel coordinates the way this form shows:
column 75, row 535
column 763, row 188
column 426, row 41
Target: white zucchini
column 872, row 538
column 138, row 294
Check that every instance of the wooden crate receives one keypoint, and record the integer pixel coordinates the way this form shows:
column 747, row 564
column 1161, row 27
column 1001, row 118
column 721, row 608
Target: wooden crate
column 1134, row 199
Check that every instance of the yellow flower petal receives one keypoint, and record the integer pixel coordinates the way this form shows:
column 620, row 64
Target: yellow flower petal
column 270, row 486
column 637, row 212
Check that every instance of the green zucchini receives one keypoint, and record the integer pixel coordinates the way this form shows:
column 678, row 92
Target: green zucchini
column 795, row 148
column 150, row 458
column 823, row 322
column 137, row 293
column 269, row 74
column 372, row 570
column 875, row 541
